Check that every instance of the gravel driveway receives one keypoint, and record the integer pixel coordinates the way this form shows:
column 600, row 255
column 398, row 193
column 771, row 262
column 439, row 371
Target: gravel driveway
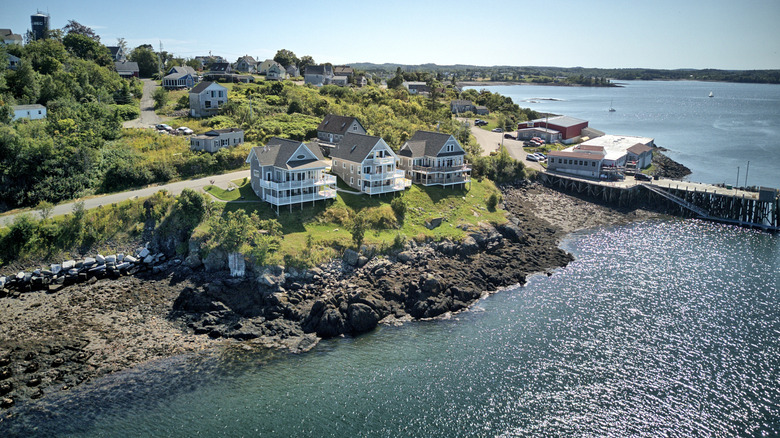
column 148, row 117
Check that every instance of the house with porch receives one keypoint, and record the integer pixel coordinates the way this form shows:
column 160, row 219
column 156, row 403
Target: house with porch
column 293, row 71
column 206, row 98
column 287, row 172
column 180, row 77
column 216, row 139
column 366, row 163
column 434, row 158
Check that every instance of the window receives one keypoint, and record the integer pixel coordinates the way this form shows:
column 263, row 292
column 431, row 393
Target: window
column 256, row 173
column 208, row 104
column 335, row 163
column 343, row 165
column 351, row 180
column 593, row 164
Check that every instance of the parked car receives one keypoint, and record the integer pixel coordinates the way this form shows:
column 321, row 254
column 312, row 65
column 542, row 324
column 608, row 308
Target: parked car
column 185, row 130
column 532, row 157
column 509, row 136
column 541, row 156
column 642, row 177
column 163, row 127
column 498, row 130
column 480, row 122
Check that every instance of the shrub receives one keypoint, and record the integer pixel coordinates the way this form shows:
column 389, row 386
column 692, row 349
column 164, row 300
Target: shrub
column 336, row 215
column 381, row 218
column 357, row 227
column 492, row 201
column 399, row 208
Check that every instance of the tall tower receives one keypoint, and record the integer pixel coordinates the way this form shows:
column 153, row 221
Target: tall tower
column 40, row 25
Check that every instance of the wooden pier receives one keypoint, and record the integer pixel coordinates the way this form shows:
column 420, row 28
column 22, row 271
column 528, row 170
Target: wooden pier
column 747, row 209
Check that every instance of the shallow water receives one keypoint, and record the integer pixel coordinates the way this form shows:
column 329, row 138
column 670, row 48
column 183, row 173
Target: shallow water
column 658, row 328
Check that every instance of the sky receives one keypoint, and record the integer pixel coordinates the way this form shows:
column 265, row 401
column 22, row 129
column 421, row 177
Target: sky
column 662, row 34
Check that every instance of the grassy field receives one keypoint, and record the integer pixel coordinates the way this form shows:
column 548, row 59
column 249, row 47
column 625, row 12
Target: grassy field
column 323, row 228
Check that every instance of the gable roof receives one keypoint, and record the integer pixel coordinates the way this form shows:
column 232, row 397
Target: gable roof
column 248, row 59
column 335, row 124
column 182, row 69
column 315, row 70
column 278, row 152
column 177, row 75
column 203, row 85
column 29, row 107
column 343, row 70
column 220, row 66
column 355, row 147
column 427, row 143
column 126, row 66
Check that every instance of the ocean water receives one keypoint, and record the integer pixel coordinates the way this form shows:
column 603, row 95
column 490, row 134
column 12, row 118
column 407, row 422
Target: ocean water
column 712, row 136
column 661, row 328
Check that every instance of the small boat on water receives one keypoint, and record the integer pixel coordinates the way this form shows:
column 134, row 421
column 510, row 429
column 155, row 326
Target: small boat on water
column 612, row 110
column 711, row 95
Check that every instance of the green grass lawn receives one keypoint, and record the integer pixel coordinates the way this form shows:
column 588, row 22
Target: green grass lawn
column 326, row 222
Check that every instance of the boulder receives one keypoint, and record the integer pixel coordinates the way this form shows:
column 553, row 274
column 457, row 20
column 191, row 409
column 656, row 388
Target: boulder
column 433, row 223
column 68, row 264
column 350, row 257
column 130, row 259
column 100, row 259
column 361, row 261
column 215, row 261
column 142, row 252
column 89, row 261
column 331, row 323
column 512, row 232
column 149, row 259
column 236, row 264
column 193, row 260
column 469, row 246
column 55, row 268
column 405, row 256
column 120, row 257
column 362, row 318
column 110, row 259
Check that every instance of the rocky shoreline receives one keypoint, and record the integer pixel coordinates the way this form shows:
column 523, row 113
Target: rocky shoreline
column 54, row 340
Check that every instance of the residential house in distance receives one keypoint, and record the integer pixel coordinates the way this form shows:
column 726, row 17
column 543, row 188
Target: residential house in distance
column 117, row 53
column 343, row 70
column 32, row 112
column 13, row 62
column 462, row 106
column 341, row 81
column 481, row 110
column 434, row 158
column 276, row 72
column 206, row 98
column 246, row 64
column 180, row 77
column 333, row 128
column 417, row 87
column 361, row 81
column 287, row 172
column 208, row 60
column 262, row 68
column 318, row 75
column 8, row 37
column 293, row 71
column 368, row 164
column 127, row 69
column 639, row 155
column 219, row 70
column 216, row 139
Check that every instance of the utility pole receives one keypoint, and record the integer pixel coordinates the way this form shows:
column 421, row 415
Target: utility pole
column 746, row 173
column 735, row 185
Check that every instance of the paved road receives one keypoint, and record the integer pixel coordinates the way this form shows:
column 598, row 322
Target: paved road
column 491, row 141
column 175, row 188
column 148, row 117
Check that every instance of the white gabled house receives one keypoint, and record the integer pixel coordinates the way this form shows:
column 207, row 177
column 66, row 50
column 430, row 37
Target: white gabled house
column 206, row 98
column 368, row 164
column 433, row 158
column 287, row 172
column 32, row 112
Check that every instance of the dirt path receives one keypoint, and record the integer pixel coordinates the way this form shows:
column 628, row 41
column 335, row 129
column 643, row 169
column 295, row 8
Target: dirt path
column 492, row 141
column 148, row 117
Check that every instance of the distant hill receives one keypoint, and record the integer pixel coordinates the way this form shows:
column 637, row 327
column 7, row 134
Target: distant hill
column 540, row 74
